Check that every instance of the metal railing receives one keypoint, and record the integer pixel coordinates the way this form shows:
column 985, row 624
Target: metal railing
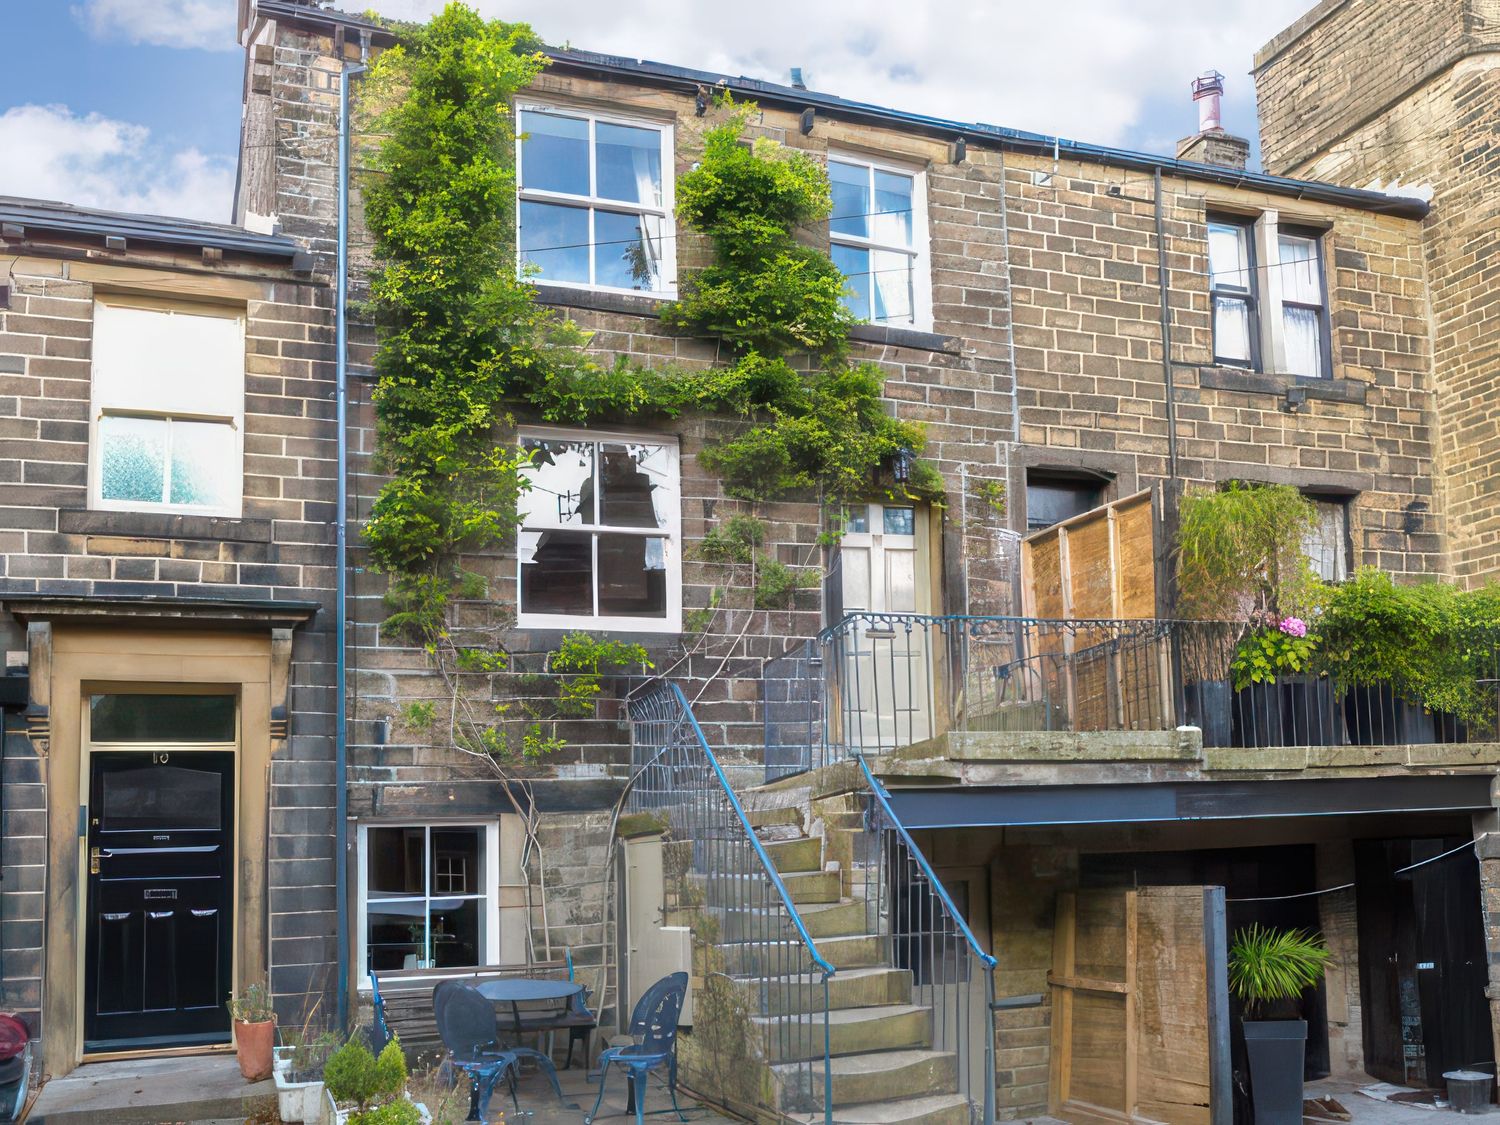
column 878, row 682
column 951, row 972
column 753, row 941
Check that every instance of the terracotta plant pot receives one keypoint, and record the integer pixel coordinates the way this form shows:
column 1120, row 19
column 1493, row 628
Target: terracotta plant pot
column 252, row 1045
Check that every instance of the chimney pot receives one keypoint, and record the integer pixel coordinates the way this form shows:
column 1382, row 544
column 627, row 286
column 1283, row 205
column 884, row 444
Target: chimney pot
column 1208, row 92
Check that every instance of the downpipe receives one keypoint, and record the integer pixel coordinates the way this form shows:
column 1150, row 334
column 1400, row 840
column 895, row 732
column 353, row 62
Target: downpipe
column 341, row 551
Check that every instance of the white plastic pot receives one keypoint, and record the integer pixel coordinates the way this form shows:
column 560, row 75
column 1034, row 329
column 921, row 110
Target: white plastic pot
column 297, row 1101
column 337, row 1116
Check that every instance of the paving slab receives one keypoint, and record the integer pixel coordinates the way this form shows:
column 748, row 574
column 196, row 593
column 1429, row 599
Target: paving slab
column 149, row 1092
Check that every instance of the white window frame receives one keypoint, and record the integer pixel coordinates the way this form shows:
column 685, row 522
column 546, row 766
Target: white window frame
column 919, row 250
column 594, row 202
column 491, row 895
column 1270, row 299
column 672, row 533
column 99, row 407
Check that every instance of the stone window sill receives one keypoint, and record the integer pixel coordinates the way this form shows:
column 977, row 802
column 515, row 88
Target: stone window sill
column 161, row 525
column 1261, row 382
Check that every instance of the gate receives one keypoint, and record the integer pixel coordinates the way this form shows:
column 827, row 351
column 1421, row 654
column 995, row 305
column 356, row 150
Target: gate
column 1140, row 1007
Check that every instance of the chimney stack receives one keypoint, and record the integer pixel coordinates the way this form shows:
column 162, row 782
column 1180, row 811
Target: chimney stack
column 1211, row 144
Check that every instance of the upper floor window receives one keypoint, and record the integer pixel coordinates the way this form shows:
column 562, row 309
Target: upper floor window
column 1269, row 295
column 1304, row 304
column 595, row 201
column 1231, row 267
column 168, row 407
column 600, row 543
column 877, row 234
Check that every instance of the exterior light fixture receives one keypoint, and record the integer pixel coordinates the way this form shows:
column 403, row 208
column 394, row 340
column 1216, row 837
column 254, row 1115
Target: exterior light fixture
column 809, row 115
column 901, row 464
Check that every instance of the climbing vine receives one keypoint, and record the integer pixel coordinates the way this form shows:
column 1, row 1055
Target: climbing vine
column 462, row 344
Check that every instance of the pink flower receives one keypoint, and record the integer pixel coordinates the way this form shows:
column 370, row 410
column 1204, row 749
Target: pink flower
column 1293, row 627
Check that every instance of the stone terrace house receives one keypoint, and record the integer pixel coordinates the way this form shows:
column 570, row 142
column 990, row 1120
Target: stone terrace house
column 168, row 481
column 1084, row 332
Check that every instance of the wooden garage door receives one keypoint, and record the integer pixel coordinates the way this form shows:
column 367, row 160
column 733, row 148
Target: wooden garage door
column 1140, row 1007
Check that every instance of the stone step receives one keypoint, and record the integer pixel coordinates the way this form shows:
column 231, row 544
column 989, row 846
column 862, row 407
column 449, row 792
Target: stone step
column 801, row 854
column 851, row 1031
column 768, row 832
column 861, row 951
column 776, row 816
column 939, row 1109
column 881, row 1076
column 877, row 986
column 735, row 890
column 821, row 919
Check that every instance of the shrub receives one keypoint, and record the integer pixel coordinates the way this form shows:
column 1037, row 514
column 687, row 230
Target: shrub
column 350, row 1074
column 1239, row 553
column 1268, row 965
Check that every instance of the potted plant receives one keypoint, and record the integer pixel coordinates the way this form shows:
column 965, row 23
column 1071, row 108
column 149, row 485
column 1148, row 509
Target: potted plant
column 364, row 1089
column 1241, row 571
column 298, row 1071
column 1269, row 969
column 254, row 1030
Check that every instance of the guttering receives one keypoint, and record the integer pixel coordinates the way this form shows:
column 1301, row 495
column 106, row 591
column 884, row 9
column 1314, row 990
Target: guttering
column 341, row 562
column 1018, row 140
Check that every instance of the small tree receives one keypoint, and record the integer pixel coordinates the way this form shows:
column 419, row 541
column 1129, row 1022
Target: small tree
column 1267, row 966
column 1240, row 556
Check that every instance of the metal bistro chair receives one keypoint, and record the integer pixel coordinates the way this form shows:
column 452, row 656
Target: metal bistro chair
column 466, row 1025
column 380, row 1031
column 653, row 1026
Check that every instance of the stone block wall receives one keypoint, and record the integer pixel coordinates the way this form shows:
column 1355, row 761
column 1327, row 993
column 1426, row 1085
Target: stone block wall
column 282, row 548
column 1409, row 97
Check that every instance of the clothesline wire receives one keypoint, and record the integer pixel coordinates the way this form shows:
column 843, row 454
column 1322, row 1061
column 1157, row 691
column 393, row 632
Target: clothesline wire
column 1350, row 886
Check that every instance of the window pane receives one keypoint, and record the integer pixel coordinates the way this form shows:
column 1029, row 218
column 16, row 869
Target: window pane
column 132, row 458
column 161, row 798
column 554, row 153
column 1304, row 341
column 394, row 861
column 455, row 933
column 637, row 485
column 628, row 163
column 900, row 521
column 202, row 463
column 1050, row 502
column 892, row 273
column 851, row 198
column 1227, row 256
column 396, row 935
column 1232, row 329
column 627, row 250
column 632, row 576
column 1326, row 543
column 561, row 475
column 892, row 220
column 456, row 862
column 555, row 240
column 859, row 522
column 161, row 718
column 557, row 572
column 1300, row 279
column 855, row 265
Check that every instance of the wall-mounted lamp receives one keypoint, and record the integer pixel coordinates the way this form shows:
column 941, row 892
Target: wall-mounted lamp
column 700, row 101
column 809, row 115
column 958, row 151
column 901, row 464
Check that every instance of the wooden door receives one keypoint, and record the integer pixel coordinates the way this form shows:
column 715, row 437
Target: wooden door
column 1140, row 1007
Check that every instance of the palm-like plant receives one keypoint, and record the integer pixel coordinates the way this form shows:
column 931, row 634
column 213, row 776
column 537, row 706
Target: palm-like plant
column 1267, row 965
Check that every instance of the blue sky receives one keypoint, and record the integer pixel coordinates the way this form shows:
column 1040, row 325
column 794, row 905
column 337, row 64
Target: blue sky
column 135, row 103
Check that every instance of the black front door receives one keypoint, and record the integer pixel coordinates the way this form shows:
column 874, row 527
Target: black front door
column 160, row 899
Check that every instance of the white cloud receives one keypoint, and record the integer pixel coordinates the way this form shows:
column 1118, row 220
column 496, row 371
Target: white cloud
column 96, row 161
column 1084, row 69
column 205, row 24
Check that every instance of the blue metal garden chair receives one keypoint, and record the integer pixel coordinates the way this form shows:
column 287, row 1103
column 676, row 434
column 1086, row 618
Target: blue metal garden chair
column 466, row 1025
column 380, row 1032
column 653, row 1026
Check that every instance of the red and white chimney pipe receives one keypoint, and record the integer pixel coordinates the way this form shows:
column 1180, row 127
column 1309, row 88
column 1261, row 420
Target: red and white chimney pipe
column 1208, row 92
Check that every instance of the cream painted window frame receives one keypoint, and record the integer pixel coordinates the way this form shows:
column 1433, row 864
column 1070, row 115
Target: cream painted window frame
column 919, row 250
column 491, row 885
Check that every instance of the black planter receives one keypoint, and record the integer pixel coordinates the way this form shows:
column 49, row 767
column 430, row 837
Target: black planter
column 1294, row 711
column 1206, row 706
column 1377, row 716
column 1276, row 1049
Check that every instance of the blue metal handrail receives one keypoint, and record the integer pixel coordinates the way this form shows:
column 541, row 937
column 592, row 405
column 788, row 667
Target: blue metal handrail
column 665, row 728
column 760, row 849
column 955, row 917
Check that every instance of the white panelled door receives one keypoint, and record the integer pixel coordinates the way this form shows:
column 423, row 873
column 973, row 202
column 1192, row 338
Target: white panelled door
column 887, row 681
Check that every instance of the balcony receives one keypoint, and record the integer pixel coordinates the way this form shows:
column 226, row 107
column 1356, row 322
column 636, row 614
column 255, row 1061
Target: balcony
column 964, row 699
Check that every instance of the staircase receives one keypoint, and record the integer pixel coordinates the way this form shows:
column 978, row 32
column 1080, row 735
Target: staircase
column 884, row 1068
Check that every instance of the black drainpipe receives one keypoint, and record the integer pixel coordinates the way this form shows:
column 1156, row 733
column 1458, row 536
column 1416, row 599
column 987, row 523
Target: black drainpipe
column 1166, row 333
